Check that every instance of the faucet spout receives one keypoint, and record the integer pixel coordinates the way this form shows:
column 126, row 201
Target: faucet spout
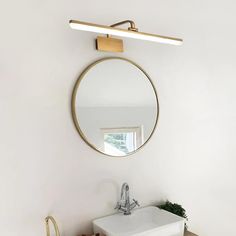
column 54, row 224
column 124, row 192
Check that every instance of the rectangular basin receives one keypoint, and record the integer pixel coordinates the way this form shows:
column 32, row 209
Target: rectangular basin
column 148, row 221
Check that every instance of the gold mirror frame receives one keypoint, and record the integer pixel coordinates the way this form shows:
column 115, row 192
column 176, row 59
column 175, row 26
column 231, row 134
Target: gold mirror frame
column 73, row 101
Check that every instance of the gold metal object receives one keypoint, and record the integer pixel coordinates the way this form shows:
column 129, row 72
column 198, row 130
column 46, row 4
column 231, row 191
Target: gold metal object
column 54, row 224
column 132, row 25
column 131, row 32
column 73, row 103
column 109, row 44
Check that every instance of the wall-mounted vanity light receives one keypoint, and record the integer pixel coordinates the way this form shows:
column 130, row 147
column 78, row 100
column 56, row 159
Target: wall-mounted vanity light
column 116, row 45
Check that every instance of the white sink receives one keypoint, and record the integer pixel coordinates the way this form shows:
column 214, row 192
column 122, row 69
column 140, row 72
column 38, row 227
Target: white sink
column 148, row 221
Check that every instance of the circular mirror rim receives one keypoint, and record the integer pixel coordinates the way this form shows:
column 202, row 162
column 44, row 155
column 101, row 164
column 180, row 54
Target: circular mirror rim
column 73, row 103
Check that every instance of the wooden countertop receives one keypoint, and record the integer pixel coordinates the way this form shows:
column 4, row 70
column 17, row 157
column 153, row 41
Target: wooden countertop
column 189, row 234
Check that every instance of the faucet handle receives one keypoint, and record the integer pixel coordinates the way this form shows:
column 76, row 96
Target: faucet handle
column 136, row 202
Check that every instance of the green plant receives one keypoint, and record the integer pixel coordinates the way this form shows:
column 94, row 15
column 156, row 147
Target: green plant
column 175, row 209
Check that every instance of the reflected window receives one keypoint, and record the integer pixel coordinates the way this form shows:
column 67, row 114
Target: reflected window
column 121, row 141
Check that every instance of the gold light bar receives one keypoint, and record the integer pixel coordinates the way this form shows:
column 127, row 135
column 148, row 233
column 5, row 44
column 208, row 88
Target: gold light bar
column 129, row 33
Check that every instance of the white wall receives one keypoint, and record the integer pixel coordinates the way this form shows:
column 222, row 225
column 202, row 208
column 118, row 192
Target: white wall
column 46, row 168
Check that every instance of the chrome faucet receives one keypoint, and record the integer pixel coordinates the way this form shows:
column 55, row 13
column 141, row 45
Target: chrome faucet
column 124, row 204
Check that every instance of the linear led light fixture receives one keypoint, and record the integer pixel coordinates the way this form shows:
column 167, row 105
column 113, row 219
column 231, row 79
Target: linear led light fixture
column 131, row 32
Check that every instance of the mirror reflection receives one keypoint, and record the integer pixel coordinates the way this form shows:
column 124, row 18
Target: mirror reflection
column 115, row 106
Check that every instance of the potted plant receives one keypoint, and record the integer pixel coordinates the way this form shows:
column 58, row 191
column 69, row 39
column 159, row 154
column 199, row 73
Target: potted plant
column 175, row 209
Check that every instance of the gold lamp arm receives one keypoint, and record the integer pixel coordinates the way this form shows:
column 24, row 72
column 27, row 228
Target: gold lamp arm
column 54, row 224
column 132, row 24
column 131, row 28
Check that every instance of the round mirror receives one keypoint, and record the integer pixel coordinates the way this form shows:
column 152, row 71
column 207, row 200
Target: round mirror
column 115, row 106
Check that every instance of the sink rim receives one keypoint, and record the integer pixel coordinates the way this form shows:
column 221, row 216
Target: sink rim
column 137, row 209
